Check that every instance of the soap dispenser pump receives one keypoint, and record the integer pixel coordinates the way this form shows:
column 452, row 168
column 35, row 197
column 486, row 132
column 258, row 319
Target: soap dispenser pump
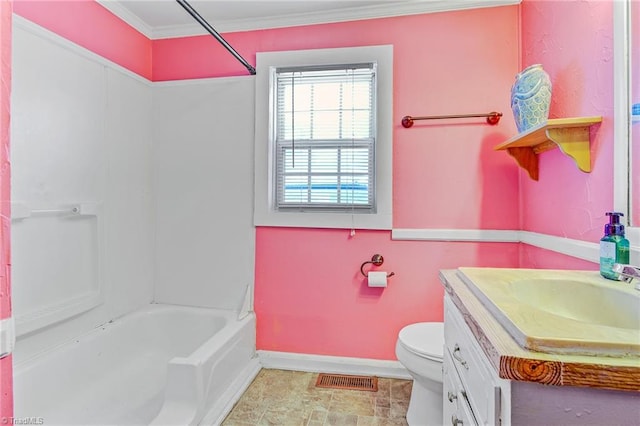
column 614, row 247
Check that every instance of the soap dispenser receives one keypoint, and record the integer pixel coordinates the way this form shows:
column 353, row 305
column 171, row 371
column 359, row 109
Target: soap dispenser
column 614, row 247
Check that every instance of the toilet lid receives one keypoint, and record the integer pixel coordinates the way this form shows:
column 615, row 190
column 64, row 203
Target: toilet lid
column 424, row 338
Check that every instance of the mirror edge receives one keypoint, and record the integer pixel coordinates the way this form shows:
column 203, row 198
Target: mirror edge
column 622, row 118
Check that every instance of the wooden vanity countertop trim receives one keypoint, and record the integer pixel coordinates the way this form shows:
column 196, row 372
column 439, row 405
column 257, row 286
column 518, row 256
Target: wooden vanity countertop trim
column 512, row 362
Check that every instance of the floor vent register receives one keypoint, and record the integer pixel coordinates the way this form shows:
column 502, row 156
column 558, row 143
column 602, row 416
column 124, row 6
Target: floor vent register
column 341, row 381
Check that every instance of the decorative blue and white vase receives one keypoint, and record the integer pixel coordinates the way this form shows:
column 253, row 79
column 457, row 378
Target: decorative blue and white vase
column 531, row 97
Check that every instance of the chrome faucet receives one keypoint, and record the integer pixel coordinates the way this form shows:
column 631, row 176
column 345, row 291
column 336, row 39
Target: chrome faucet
column 628, row 273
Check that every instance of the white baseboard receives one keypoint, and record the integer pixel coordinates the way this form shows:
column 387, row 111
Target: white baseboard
column 332, row 364
column 225, row 404
column 298, row 362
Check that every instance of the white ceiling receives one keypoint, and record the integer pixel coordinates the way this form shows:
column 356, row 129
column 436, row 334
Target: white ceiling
column 166, row 18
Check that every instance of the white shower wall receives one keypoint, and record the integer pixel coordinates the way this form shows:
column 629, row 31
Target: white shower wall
column 81, row 133
column 203, row 167
column 168, row 167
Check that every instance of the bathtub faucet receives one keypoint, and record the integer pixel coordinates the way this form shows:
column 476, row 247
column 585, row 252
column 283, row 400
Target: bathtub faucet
column 628, row 273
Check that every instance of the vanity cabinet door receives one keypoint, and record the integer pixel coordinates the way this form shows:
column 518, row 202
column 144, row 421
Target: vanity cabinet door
column 480, row 384
column 456, row 409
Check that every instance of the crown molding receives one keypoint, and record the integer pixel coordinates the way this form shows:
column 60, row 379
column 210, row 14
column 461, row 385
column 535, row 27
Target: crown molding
column 127, row 16
column 293, row 20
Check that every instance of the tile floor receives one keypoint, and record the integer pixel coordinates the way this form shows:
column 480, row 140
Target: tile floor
column 283, row 398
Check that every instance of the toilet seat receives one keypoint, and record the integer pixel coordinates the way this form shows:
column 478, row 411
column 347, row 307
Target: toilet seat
column 425, row 339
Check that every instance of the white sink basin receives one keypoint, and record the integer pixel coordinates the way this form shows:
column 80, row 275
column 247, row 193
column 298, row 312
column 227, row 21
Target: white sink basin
column 580, row 301
column 568, row 312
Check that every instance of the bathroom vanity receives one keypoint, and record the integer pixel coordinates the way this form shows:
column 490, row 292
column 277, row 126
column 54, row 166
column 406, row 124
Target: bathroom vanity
column 508, row 361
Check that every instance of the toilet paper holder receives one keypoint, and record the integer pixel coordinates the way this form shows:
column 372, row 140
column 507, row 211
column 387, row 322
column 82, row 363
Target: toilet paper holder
column 377, row 260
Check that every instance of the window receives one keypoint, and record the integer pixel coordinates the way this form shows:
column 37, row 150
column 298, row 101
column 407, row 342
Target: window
column 323, row 138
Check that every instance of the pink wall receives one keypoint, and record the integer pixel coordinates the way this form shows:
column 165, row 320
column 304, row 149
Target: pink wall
column 445, row 173
column 93, row 27
column 573, row 41
column 311, row 298
column 6, row 385
column 309, row 294
column 471, row 72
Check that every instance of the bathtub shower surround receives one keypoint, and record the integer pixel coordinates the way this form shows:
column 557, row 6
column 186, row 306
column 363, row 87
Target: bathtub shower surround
column 76, row 231
column 115, row 191
column 140, row 369
column 80, row 140
column 205, row 239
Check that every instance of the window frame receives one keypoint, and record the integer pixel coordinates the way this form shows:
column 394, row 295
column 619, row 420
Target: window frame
column 316, row 145
column 265, row 209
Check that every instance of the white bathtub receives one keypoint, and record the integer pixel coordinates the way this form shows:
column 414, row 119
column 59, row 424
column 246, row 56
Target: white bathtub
column 162, row 365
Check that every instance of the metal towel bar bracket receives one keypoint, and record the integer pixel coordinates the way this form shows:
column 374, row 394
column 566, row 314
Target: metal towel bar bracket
column 377, row 260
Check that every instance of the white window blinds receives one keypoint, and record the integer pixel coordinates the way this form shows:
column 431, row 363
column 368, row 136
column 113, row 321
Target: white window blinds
column 325, row 135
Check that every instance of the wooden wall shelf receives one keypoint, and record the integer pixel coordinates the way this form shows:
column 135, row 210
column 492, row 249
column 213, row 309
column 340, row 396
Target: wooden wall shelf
column 571, row 135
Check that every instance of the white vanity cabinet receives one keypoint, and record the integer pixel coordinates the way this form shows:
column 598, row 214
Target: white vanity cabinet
column 473, row 394
column 488, row 379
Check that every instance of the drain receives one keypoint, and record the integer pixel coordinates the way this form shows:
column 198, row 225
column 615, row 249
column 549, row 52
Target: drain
column 341, row 381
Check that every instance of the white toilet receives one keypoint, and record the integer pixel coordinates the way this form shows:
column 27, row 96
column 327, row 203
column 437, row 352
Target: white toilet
column 420, row 350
